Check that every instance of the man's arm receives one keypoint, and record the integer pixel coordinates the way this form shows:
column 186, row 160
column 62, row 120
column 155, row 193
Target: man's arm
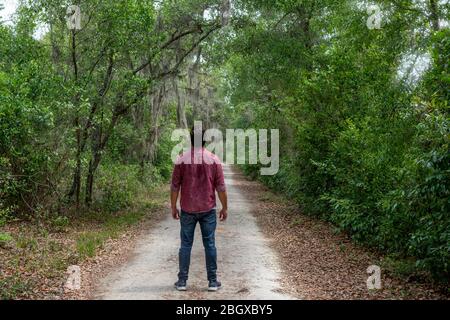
column 224, row 200
column 175, row 190
column 173, row 202
column 222, row 192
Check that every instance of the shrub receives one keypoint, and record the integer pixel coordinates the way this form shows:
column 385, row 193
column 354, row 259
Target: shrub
column 5, row 239
column 59, row 223
column 422, row 197
column 117, row 185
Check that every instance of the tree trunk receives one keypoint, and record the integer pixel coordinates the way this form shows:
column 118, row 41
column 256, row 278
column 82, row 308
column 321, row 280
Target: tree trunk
column 76, row 183
column 83, row 135
column 94, row 162
column 181, row 114
column 194, row 85
column 226, row 12
column 153, row 136
column 93, row 165
column 434, row 14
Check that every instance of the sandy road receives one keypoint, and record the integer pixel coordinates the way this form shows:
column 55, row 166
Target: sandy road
column 247, row 267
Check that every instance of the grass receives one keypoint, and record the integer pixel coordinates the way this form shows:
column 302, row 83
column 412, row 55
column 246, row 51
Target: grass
column 89, row 242
column 269, row 197
column 26, row 242
column 112, row 226
column 5, row 239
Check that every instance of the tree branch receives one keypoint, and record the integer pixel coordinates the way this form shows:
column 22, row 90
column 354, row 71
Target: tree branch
column 164, row 46
column 187, row 53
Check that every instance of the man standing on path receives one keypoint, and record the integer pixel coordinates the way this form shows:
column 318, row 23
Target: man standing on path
column 199, row 174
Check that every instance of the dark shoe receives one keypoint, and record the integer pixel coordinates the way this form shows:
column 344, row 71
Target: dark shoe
column 214, row 286
column 180, row 285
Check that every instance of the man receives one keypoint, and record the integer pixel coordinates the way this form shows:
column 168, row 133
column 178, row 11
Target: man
column 199, row 174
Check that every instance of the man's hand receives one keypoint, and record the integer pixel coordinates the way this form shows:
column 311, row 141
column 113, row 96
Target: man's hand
column 224, row 201
column 175, row 213
column 223, row 214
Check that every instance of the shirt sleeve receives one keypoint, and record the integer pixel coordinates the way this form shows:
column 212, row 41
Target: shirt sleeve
column 176, row 178
column 219, row 179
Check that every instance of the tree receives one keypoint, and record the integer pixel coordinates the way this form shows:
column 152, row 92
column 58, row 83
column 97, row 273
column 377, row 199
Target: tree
column 350, row 123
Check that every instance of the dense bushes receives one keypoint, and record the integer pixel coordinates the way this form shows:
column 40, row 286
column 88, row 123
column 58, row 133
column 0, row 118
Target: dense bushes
column 38, row 144
column 117, row 185
column 423, row 196
column 83, row 112
column 392, row 193
column 386, row 183
column 27, row 117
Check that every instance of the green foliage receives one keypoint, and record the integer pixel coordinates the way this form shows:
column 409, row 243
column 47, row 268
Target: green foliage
column 163, row 162
column 361, row 145
column 26, row 242
column 28, row 105
column 117, row 185
column 89, row 242
column 71, row 101
column 5, row 238
column 5, row 215
column 421, row 199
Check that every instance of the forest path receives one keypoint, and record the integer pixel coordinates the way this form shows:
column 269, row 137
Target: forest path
column 247, row 267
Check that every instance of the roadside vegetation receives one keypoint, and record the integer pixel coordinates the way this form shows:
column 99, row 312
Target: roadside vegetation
column 34, row 257
column 363, row 115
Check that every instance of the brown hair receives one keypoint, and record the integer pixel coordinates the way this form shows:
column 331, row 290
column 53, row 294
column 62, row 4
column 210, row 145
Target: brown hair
column 194, row 134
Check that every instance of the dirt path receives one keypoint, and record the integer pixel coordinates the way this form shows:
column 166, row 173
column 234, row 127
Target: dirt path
column 321, row 263
column 248, row 267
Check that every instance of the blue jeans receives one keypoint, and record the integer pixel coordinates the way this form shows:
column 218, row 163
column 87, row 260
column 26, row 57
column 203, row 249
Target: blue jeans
column 207, row 223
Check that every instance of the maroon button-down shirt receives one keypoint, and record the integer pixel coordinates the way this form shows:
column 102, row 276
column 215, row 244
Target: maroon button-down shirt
column 199, row 174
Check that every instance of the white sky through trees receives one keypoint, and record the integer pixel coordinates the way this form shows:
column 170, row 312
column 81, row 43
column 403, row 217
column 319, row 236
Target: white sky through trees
column 6, row 16
column 10, row 7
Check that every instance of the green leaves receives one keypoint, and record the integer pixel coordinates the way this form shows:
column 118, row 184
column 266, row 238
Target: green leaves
column 358, row 147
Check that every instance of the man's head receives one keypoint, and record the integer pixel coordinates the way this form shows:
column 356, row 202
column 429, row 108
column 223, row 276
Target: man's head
column 197, row 134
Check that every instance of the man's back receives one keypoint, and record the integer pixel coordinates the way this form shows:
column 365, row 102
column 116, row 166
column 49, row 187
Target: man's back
column 199, row 174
